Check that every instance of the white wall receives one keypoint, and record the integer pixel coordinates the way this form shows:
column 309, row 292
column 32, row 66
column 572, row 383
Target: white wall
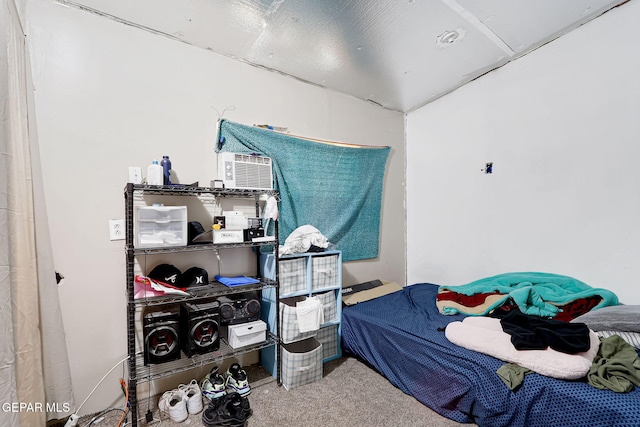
column 109, row 96
column 561, row 127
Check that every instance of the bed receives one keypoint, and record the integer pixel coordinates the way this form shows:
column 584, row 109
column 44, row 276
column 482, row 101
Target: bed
column 401, row 335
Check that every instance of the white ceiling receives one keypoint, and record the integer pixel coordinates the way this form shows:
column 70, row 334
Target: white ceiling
column 384, row 51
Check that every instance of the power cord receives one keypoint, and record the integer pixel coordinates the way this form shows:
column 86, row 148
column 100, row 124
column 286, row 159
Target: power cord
column 73, row 418
column 123, row 384
column 101, row 416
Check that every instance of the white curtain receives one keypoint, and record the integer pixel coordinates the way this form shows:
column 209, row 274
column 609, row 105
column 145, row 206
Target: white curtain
column 35, row 368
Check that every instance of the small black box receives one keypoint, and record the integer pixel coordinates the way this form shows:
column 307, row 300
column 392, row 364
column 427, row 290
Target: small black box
column 250, row 233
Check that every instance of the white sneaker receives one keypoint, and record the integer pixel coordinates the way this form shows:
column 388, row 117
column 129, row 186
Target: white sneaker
column 193, row 396
column 174, row 403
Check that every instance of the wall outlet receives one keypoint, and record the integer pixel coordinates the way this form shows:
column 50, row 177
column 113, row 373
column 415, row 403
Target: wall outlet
column 116, row 229
column 135, row 174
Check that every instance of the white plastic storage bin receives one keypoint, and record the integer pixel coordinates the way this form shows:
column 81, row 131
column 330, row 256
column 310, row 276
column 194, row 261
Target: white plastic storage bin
column 301, row 363
column 160, row 226
column 290, row 331
column 245, row 334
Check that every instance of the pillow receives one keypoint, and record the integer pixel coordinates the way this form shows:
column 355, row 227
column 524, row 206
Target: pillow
column 612, row 318
column 633, row 338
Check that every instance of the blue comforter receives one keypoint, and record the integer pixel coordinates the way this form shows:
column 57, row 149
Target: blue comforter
column 401, row 335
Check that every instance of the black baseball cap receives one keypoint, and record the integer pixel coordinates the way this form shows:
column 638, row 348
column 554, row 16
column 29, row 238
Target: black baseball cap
column 166, row 273
column 194, row 276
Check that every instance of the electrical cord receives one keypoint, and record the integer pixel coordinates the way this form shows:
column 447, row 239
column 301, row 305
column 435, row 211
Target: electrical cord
column 101, row 415
column 149, row 415
column 126, row 401
column 73, row 419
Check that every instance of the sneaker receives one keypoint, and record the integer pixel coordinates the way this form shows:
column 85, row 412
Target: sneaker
column 231, row 410
column 241, row 403
column 193, row 396
column 213, row 385
column 237, row 380
column 173, row 402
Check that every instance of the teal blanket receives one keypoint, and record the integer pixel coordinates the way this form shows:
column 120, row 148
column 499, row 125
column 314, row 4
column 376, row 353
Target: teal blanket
column 534, row 293
column 336, row 189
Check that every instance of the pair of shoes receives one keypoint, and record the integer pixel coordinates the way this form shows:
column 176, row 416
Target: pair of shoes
column 231, row 410
column 193, row 396
column 237, row 380
column 174, row 403
column 180, row 402
column 214, row 385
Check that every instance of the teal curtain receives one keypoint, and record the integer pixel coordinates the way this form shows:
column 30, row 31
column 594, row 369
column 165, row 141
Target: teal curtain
column 335, row 188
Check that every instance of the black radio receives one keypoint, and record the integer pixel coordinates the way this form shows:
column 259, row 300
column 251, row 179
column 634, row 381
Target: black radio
column 239, row 308
column 254, row 229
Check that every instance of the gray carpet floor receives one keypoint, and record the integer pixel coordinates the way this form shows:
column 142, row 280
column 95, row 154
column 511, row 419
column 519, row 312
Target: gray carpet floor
column 350, row 394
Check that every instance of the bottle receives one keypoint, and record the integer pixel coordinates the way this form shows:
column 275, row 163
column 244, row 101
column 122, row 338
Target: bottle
column 166, row 170
column 154, row 173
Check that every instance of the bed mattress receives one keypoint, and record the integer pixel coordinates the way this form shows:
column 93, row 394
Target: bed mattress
column 402, row 336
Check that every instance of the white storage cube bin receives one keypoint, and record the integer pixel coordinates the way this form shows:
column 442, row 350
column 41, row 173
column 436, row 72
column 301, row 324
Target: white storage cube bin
column 244, row 334
column 289, row 329
column 330, row 340
column 292, row 275
column 324, row 271
column 301, row 363
column 160, row 226
column 329, row 306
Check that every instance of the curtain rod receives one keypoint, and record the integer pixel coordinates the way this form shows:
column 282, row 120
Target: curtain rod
column 322, row 141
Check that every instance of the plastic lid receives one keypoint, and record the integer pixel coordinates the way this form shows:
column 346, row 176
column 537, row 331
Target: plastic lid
column 155, row 162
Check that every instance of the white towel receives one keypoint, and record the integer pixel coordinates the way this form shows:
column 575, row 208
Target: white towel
column 301, row 239
column 310, row 314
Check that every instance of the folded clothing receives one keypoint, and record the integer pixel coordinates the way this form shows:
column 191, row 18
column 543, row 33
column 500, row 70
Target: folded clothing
column 236, row 280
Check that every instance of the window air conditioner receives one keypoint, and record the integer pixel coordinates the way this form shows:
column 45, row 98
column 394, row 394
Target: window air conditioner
column 245, row 171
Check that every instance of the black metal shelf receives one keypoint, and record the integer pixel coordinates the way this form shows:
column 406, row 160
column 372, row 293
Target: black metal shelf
column 194, row 248
column 138, row 371
column 181, row 190
column 146, row 373
column 214, row 289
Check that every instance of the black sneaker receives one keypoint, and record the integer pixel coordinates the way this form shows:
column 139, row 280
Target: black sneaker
column 231, row 410
column 240, row 403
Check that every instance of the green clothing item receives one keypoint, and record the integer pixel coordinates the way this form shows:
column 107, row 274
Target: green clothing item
column 616, row 367
column 512, row 375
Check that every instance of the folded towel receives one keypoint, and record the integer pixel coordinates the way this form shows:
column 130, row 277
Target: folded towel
column 310, row 314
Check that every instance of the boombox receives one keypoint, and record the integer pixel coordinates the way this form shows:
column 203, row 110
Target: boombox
column 161, row 328
column 200, row 327
column 239, row 308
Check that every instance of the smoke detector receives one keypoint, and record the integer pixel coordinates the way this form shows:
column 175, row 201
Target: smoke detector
column 450, row 37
